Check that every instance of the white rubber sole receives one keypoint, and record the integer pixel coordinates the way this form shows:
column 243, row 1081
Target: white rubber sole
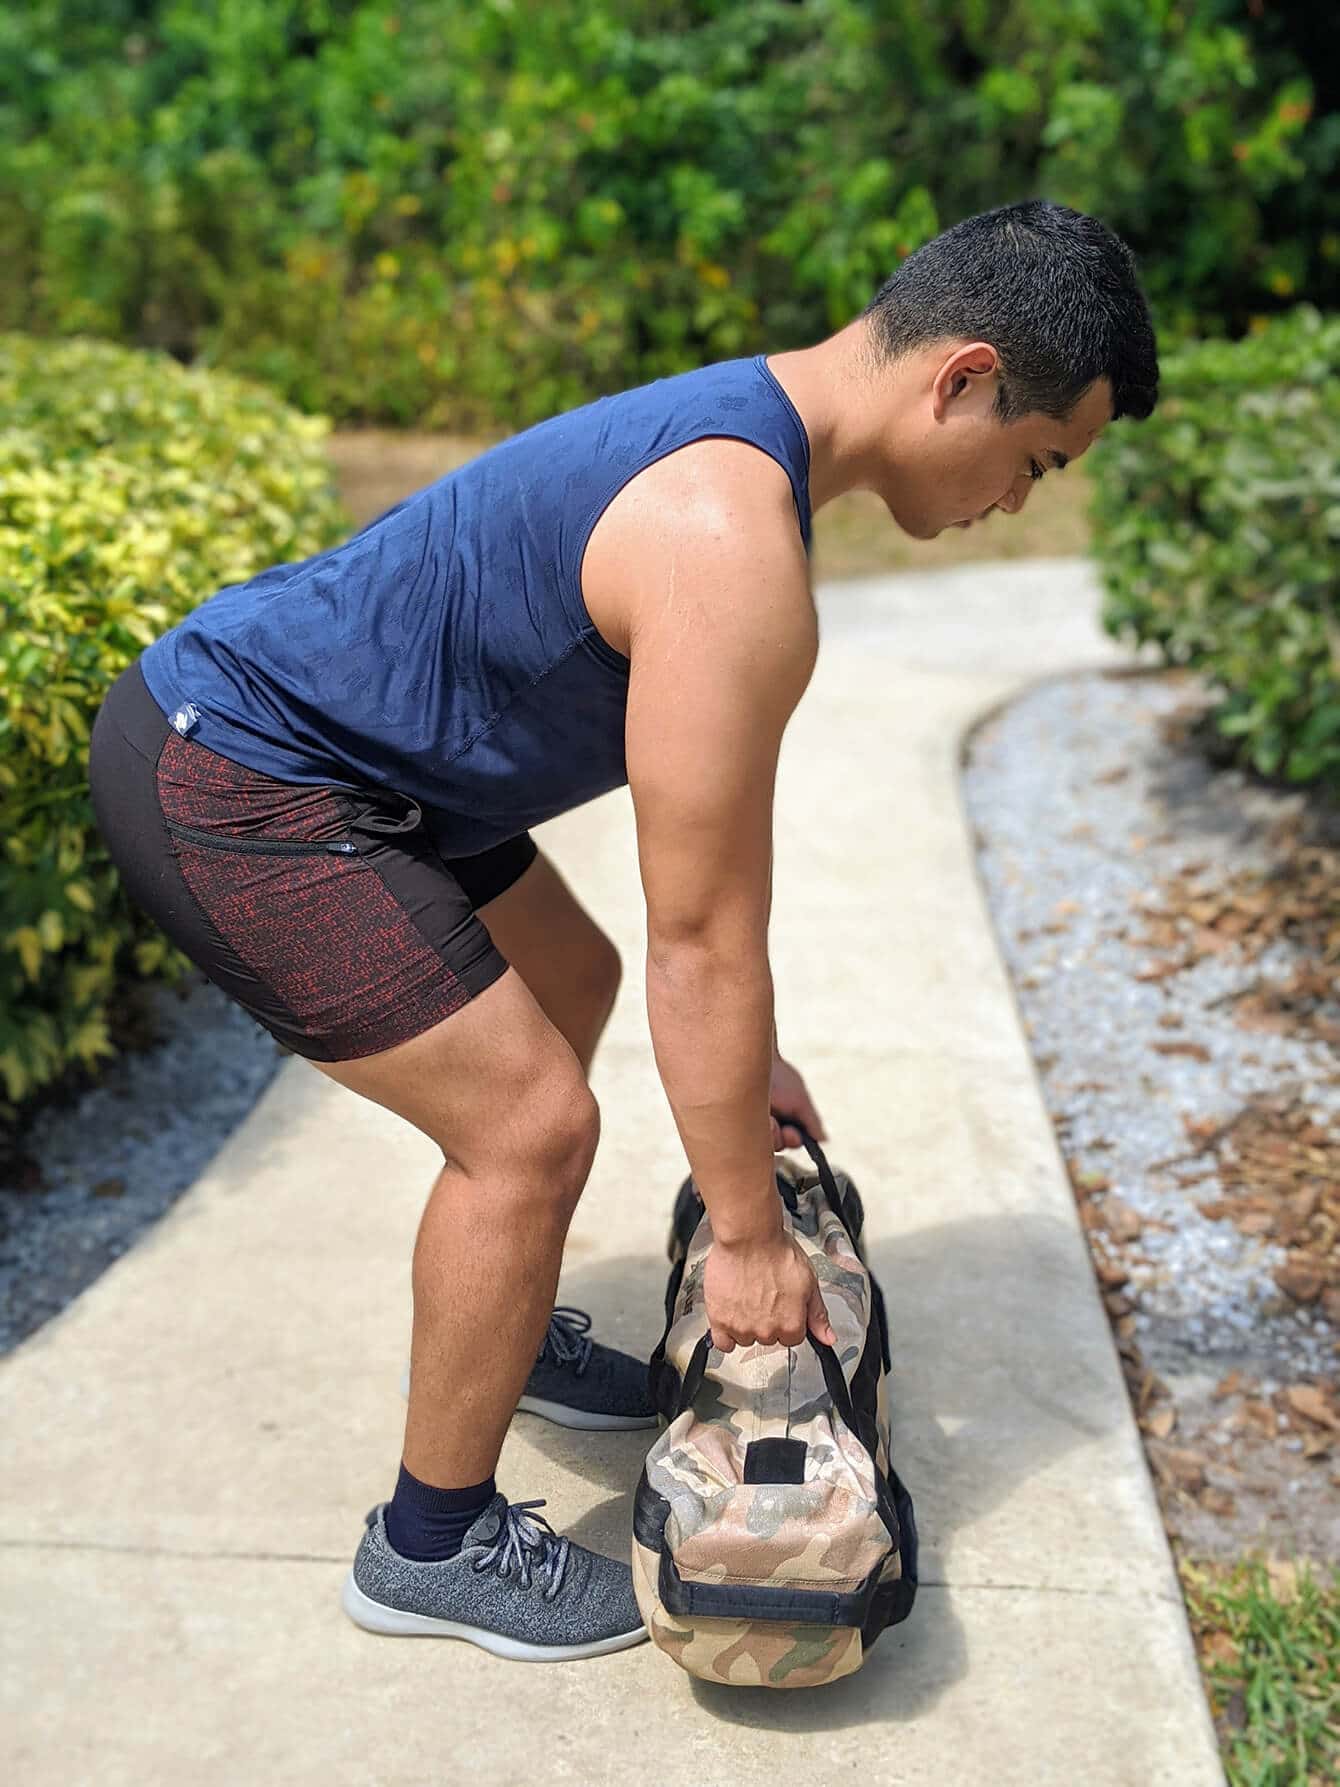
column 374, row 1616
column 563, row 1416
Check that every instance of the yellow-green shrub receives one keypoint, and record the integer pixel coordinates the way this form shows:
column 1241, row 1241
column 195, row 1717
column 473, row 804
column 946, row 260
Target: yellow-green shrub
column 131, row 489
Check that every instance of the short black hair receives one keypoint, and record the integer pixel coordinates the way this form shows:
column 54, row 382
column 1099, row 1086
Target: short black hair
column 1054, row 291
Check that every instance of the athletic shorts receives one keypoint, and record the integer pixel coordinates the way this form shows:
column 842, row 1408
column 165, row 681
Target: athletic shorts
column 329, row 913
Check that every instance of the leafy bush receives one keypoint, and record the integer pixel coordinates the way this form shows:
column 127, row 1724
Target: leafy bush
column 1216, row 525
column 130, row 490
column 479, row 214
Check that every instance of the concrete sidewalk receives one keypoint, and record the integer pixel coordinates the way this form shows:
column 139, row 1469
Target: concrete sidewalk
column 192, row 1444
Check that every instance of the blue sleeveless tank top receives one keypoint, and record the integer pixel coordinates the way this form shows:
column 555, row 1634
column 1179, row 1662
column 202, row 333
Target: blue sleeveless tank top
column 445, row 650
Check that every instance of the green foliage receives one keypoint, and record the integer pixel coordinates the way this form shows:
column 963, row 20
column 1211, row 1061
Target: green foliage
column 1271, row 1655
column 130, row 490
column 1216, row 525
column 479, row 214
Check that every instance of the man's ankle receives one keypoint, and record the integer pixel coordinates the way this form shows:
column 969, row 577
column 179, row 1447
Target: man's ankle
column 428, row 1525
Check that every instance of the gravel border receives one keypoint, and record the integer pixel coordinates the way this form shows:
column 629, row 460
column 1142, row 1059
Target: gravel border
column 114, row 1157
column 1081, row 809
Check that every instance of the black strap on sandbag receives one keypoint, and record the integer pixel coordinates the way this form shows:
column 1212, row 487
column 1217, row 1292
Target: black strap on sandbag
column 820, row 1159
column 764, row 1601
column 834, row 1380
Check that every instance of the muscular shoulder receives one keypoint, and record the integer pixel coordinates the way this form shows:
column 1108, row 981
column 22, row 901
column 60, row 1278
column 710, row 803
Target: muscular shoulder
column 710, row 531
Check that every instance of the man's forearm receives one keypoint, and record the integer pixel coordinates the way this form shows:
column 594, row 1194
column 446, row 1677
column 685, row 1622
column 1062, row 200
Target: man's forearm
column 712, row 1033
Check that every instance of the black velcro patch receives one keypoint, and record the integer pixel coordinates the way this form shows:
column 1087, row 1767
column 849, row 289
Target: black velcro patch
column 774, row 1461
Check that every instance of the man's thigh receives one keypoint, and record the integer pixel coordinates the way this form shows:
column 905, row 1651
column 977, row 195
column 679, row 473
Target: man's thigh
column 492, row 1083
column 548, row 936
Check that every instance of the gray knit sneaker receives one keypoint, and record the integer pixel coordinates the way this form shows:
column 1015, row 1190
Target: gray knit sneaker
column 515, row 1588
column 580, row 1382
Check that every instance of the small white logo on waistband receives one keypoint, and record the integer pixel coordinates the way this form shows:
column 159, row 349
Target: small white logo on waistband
column 187, row 718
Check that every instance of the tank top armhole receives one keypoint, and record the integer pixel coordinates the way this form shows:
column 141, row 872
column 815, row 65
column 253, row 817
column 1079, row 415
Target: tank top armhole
column 594, row 638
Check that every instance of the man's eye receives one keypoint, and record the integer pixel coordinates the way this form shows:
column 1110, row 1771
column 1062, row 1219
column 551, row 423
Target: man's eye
column 1037, row 471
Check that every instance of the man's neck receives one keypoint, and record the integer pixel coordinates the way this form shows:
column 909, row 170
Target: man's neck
column 830, row 385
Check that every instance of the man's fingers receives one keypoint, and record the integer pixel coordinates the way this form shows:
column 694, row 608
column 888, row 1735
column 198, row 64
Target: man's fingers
column 819, row 1323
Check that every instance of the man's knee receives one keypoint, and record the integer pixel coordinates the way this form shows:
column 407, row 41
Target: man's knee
column 570, row 1134
column 550, row 1142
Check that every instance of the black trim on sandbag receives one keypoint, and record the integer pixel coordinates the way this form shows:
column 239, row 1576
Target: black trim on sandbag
column 735, row 1600
column 856, row 1228
column 881, row 1315
column 907, row 1523
column 659, row 1387
column 688, row 1212
column 864, row 1399
column 891, row 1604
column 650, row 1512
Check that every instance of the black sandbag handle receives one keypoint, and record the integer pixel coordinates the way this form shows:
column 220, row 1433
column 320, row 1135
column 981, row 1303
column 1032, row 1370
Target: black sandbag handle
column 835, row 1381
column 820, row 1160
column 839, row 1392
column 834, row 1378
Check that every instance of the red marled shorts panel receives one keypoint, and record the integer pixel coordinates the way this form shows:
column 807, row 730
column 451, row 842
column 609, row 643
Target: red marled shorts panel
column 339, row 952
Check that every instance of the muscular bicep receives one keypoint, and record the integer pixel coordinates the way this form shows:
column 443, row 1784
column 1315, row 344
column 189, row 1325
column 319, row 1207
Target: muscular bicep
column 718, row 662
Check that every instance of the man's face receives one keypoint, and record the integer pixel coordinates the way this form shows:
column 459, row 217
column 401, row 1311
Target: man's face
column 961, row 464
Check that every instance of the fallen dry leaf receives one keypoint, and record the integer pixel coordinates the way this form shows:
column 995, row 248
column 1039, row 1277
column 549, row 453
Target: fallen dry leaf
column 1301, row 1280
column 1186, row 1470
column 1160, row 970
column 1196, row 1050
column 1121, row 1221
column 1161, row 1422
column 1262, row 1417
column 1210, row 942
column 1217, row 1501
column 1283, row 1574
column 1089, row 1182
column 1310, row 1402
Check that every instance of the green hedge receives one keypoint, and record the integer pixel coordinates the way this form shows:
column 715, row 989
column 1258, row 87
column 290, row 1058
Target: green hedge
column 130, row 490
column 1217, row 530
column 476, row 215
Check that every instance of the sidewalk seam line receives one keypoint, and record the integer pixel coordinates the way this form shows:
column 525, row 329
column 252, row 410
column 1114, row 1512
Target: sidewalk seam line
column 280, row 1557
column 310, row 1557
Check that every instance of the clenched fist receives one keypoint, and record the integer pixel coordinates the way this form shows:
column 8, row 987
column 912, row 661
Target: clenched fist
column 762, row 1290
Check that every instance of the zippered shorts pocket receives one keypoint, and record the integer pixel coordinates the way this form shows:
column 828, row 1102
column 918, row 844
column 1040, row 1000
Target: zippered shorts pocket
column 263, row 846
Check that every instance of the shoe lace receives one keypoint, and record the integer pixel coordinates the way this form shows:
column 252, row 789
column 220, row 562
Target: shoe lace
column 526, row 1540
column 565, row 1340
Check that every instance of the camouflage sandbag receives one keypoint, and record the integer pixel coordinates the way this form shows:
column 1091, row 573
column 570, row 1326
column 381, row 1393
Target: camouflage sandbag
column 772, row 1538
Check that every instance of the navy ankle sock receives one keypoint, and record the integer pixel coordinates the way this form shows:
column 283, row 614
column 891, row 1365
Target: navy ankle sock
column 427, row 1524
